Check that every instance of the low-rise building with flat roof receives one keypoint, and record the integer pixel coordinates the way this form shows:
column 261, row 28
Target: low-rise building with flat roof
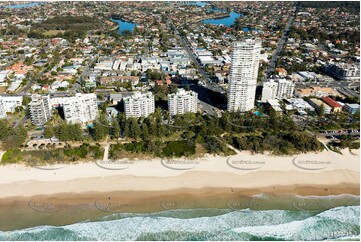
column 316, row 91
column 317, row 104
column 351, row 108
column 336, row 107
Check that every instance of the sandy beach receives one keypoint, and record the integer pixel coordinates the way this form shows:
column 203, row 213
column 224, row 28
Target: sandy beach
column 242, row 171
column 78, row 192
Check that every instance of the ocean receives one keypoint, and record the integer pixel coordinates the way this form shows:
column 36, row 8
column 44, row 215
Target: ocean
column 336, row 223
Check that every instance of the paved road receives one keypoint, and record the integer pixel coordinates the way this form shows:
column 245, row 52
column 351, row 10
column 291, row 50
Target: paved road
column 207, row 80
column 77, row 86
column 207, row 107
column 22, row 121
column 28, row 85
column 26, row 88
column 348, row 92
column 106, row 152
column 337, row 134
column 277, row 52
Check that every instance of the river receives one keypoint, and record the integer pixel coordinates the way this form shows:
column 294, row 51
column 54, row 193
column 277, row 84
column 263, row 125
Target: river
column 124, row 25
column 227, row 21
column 26, row 5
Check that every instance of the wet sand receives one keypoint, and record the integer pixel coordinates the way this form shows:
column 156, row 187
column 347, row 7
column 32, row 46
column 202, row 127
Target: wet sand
column 67, row 208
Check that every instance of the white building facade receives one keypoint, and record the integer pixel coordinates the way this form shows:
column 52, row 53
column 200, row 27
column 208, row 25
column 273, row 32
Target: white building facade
column 243, row 75
column 269, row 90
column 182, row 102
column 277, row 89
column 139, row 105
column 82, row 108
column 8, row 104
column 286, row 89
column 40, row 109
column 2, row 109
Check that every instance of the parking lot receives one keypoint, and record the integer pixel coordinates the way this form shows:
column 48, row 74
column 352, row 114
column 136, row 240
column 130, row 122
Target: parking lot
column 336, row 134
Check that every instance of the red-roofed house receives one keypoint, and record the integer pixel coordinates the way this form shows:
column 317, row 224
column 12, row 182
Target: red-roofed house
column 281, row 71
column 336, row 107
column 168, row 80
column 159, row 82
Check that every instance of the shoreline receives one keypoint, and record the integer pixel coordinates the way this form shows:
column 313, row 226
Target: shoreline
column 70, row 208
column 35, row 196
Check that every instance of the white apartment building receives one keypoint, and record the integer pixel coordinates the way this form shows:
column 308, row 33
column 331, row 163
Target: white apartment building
column 2, row 109
column 285, row 89
column 8, row 104
column 277, row 89
column 182, row 102
column 243, row 75
column 269, row 90
column 40, row 109
column 139, row 105
column 82, row 108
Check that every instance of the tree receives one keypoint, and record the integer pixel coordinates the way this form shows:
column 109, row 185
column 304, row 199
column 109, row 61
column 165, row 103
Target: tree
column 100, row 128
column 127, row 129
column 26, row 101
column 68, row 132
column 173, row 88
column 127, row 34
column 135, row 131
column 145, row 131
column 11, row 137
column 49, row 131
column 115, row 130
column 321, row 110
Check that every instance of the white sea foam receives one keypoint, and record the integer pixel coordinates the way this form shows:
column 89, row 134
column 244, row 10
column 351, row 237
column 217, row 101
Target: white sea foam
column 235, row 225
column 334, row 223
